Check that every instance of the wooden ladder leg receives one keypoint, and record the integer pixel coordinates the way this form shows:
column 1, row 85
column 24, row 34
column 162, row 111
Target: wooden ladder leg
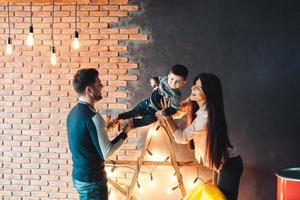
column 119, row 188
column 169, row 139
column 139, row 164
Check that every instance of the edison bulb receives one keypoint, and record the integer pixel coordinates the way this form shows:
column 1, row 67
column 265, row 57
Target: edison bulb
column 53, row 59
column 76, row 43
column 30, row 40
column 9, row 49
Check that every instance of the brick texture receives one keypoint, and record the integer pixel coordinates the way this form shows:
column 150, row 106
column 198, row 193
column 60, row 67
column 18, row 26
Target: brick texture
column 35, row 97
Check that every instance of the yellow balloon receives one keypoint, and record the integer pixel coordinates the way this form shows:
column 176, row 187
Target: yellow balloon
column 206, row 191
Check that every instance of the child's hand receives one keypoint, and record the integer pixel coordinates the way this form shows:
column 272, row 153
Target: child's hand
column 159, row 113
column 128, row 126
column 111, row 123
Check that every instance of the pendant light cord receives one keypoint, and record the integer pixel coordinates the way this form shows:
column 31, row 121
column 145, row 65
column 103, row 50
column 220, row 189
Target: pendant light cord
column 52, row 23
column 31, row 13
column 76, row 16
column 8, row 20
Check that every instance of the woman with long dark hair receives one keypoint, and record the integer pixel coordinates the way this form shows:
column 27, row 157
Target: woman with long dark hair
column 208, row 130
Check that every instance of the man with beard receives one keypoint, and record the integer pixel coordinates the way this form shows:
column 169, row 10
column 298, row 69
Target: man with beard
column 88, row 140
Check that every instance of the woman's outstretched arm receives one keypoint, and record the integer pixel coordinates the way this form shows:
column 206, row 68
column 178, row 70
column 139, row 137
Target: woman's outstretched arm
column 176, row 131
column 171, row 124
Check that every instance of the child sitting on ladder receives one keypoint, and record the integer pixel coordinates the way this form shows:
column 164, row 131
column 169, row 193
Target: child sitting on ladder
column 150, row 109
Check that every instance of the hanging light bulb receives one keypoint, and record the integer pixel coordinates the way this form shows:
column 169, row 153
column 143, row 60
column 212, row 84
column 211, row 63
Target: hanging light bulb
column 53, row 58
column 9, row 47
column 76, row 43
column 30, row 38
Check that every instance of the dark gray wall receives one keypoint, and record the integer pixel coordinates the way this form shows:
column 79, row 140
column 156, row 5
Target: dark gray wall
column 253, row 46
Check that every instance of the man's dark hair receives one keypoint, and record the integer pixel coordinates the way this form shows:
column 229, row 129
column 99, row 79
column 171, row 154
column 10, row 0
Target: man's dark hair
column 180, row 70
column 84, row 78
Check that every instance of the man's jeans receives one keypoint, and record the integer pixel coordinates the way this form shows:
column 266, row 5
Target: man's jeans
column 91, row 190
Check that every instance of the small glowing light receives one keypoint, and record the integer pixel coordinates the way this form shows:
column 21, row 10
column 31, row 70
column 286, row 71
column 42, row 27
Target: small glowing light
column 167, row 158
column 112, row 172
column 53, row 58
column 140, row 189
column 153, row 132
column 151, row 183
column 76, row 43
column 30, row 38
column 149, row 152
column 157, row 156
column 169, row 191
column 173, row 177
column 9, row 47
column 157, row 128
column 193, row 184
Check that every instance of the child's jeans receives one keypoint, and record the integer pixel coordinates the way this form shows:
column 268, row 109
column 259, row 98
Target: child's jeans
column 144, row 110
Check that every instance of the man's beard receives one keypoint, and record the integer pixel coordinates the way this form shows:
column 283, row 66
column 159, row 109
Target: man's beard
column 97, row 97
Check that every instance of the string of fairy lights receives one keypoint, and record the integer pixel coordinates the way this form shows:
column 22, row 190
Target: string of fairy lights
column 30, row 36
column 112, row 171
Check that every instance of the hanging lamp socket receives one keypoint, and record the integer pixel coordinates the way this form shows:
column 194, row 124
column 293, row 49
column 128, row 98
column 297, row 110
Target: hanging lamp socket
column 53, row 50
column 76, row 34
column 31, row 29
